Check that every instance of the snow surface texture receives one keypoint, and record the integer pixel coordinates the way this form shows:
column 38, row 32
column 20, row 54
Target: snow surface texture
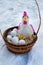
column 10, row 15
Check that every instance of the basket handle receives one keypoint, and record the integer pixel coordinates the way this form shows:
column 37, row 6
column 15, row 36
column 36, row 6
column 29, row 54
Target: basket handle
column 1, row 33
column 39, row 17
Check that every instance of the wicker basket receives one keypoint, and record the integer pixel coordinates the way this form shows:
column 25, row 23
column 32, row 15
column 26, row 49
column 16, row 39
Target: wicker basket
column 19, row 49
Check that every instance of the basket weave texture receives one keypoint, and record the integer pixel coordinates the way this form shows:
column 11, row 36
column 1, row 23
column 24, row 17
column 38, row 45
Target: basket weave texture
column 18, row 48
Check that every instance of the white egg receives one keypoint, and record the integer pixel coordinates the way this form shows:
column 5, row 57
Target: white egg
column 13, row 32
column 15, row 29
column 22, row 42
column 9, row 37
column 15, row 40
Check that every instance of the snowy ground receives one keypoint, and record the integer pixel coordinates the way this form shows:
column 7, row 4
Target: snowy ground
column 10, row 15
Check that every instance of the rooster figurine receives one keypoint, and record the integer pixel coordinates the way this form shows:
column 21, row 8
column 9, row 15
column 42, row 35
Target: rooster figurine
column 25, row 29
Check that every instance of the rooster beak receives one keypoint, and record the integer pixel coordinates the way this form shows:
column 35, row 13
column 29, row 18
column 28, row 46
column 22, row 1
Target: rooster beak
column 25, row 19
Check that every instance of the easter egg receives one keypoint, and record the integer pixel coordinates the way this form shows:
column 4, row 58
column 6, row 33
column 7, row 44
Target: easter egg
column 13, row 32
column 15, row 40
column 22, row 42
column 9, row 37
column 15, row 29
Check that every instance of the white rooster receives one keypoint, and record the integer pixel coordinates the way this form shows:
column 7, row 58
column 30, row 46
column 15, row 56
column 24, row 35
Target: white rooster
column 24, row 28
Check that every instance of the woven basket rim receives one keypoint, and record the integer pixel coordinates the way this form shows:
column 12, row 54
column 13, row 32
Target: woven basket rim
column 5, row 39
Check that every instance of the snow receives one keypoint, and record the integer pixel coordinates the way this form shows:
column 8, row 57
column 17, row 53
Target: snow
column 11, row 12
